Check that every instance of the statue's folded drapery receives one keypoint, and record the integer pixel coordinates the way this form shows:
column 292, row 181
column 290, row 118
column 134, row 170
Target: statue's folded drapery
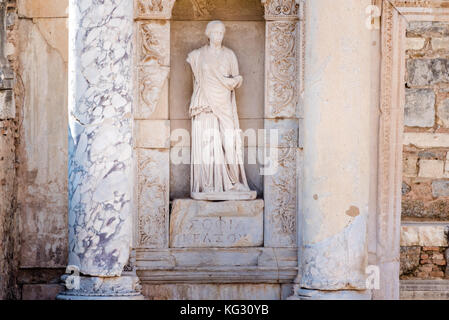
column 217, row 151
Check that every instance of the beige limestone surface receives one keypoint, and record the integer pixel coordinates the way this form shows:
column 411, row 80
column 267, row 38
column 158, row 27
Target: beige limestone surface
column 43, row 8
column 42, row 153
column 231, row 10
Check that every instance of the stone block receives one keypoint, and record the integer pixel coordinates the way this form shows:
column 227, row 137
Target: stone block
column 440, row 188
column 280, row 195
column 409, row 258
column 7, row 105
column 426, row 140
column 221, row 292
column 152, row 133
column 414, row 43
column 419, row 108
column 443, row 113
column 427, row 28
column 225, row 259
column 405, row 188
column 424, row 235
column 43, row 8
column 440, row 43
column 55, row 32
column 410, row 166
column 430, row 210
column 152, row 198
column 281, row 70
column 424, row 290
column 216, row 224
column 423, row 72
column 40, row 291
column 152, row 92
column 431, row 168
column 153, row 59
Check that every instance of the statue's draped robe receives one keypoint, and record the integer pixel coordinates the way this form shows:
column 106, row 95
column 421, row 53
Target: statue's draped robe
column 217, row 153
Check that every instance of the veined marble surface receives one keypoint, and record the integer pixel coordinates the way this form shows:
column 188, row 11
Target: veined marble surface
column 100, row 135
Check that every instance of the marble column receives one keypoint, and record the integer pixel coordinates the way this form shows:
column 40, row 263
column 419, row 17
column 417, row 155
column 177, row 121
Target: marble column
column 337, row 155
column 100, row 150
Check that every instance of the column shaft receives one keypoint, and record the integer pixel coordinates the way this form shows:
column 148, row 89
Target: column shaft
column 337, row 83
column 100, row 135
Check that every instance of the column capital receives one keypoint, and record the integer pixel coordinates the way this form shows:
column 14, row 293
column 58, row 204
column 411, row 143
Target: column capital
column 153, row 9
column 281, row 9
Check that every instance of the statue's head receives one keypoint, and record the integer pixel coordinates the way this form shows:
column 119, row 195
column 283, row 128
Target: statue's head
column 215, row 31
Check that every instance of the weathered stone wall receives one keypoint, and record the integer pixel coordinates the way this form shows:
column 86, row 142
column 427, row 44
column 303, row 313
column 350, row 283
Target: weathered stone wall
column 41, row 95
column 9, row 233
column 425, row 189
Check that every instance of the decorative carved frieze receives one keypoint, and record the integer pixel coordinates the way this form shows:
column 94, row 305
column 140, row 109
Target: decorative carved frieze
column 281, row 9
column 281, row 90
column 217, row 265
column 281, row 103
column 280, row 190
column 390, row 151
column 153, row 54
column 154, row 9
column 152, row 198
column 203, row 8
column 154, row 43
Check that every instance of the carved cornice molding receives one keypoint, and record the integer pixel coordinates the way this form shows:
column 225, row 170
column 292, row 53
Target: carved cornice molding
column 422, row 10
column 281, row 9
column 153, row 9
column 421, row 3
column 186, row 265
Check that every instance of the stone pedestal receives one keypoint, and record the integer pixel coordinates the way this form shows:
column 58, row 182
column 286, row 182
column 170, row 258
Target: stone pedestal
column 201, row 224
column 125, row 287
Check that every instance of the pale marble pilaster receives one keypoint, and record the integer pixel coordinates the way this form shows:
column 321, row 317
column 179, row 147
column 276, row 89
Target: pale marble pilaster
column 100, row 145
column 282, row 58
column 337, row 133
column 281, row 114
column 152, row 124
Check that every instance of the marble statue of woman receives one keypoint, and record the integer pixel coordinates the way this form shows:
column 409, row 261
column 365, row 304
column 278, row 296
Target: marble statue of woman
column 217, row 169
